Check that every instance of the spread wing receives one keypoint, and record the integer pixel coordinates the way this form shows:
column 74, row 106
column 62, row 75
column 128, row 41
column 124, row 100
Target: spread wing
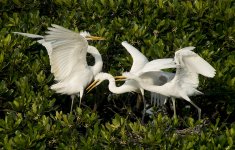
column 69, row 51
column 41, row 40
column 194, row 62
column 66, row 49
column 139, row 60
column 190, row 66
column 157, row 65
column 186, row 79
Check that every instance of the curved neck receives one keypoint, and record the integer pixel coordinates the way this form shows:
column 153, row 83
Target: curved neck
column 119, row 89
column 115, row 89
column 97, row 67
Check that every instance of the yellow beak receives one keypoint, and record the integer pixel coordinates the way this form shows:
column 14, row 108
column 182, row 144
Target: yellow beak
column 94, row 38
column 120, row 78
column 92, row 86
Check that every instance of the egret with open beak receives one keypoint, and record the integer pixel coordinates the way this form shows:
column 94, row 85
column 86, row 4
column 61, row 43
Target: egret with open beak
column 89, row 37
column 93, row 85
column 120, row 78
column 100, row 78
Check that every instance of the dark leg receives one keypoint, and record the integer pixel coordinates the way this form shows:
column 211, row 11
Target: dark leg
column 144, row 111
column 72, row 98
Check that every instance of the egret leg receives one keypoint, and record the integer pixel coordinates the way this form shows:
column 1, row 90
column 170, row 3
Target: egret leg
column 144, row 101
column 81, row 94
column 144, row 111
column 152, row 97
column 165, row 100
column 198, row 109
column 173, row 101
column 139, row 99
column 72, row 98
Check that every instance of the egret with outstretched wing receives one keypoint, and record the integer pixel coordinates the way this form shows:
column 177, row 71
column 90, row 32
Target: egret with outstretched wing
column 185, row 81
column 149, row 72
column 67, row 52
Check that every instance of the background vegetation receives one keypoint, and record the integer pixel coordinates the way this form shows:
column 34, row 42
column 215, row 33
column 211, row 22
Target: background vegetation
column 33, row 116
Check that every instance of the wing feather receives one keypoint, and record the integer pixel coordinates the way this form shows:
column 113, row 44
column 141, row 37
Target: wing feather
column 58, row 28
column 29, row 35
column 187, row 81
column 47, row 45
column 194, row 62
column 158, row 65
column 200, row 66
column 69, row 51
column 190, row 65
column 139, row 60
column 66, row 49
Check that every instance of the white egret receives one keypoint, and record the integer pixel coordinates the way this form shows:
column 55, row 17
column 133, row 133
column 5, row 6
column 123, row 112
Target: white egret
column 100, row 77
column 67, row 52
column 185, row 82
column 141, row 67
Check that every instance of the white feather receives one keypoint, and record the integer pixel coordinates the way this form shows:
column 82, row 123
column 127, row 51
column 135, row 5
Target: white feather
column 158, row 65
column 67, row 52
column 47, row 45
column 29, row 35
column 200, row 66
column 139, row 60
column 194, row 62
column 185, row 82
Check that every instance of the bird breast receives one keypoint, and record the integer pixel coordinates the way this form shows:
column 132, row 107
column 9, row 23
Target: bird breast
column 77, row 81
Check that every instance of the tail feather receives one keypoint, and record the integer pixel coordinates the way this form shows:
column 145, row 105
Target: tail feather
column 197, row 92
column 58, row 87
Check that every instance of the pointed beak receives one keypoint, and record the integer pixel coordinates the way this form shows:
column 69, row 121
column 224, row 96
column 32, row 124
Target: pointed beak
column 120, row 78
column 94, row 38
column 92, row 86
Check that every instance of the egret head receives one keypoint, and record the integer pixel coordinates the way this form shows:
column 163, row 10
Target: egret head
column 99, row 78
column 125, row 76
column 128, row 75
column 87, row 36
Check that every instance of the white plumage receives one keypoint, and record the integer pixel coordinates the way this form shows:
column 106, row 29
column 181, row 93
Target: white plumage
column 67, row 52
column 149, row 72
column 185, row 81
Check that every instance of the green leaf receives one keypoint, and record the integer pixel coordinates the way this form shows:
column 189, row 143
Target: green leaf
column 16, row 104
column 7, row 40
column 34, row 108
column 230, row 141
column 17, row 2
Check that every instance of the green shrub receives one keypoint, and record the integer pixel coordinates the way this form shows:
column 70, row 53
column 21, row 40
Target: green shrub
column 33, row 116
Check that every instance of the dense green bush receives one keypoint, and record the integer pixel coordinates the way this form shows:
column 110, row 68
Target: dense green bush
column 33, row 116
